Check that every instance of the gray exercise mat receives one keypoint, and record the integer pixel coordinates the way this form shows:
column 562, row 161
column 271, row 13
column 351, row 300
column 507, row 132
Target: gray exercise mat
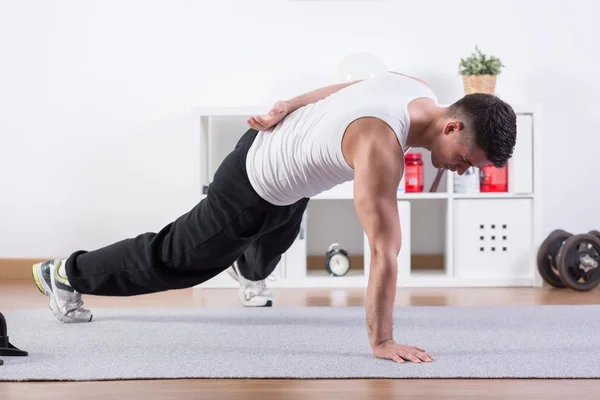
column 307, row 342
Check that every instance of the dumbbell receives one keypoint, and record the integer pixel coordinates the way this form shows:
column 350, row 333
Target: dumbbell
column 546, row 257
column 567, row 260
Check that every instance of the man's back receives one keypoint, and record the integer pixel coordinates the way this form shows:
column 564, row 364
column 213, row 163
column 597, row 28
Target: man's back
column 302, row 155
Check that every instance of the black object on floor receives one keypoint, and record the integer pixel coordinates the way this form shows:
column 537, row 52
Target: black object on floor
column 7, row 349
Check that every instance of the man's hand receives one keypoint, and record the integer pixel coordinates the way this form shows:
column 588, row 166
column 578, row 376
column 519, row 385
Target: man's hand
column 391, row 350
column 273, row 117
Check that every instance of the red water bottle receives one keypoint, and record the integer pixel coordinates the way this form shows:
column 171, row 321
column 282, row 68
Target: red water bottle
column 493, row 179
column 413, row 172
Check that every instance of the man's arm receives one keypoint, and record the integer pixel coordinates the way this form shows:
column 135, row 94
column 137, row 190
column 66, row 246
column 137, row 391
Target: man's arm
column 378, row 169
column 320, row 94
column 282, row 108
column 379, row 165
column 316, row 95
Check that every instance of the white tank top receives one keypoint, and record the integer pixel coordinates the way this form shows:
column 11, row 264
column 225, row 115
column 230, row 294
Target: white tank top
column 302, row 155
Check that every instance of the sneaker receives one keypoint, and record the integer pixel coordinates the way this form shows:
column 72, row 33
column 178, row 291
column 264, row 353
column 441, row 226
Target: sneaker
column 65, row 302
column 251, row 293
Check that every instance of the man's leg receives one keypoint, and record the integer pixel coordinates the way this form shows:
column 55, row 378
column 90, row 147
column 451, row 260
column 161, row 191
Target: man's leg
column 192, row 249
column 261, row 257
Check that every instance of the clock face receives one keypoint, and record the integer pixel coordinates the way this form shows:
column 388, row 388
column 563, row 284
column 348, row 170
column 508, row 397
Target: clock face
column 339, row 264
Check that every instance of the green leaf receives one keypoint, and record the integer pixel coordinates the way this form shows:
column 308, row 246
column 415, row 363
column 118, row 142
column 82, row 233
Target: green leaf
column 479, row 63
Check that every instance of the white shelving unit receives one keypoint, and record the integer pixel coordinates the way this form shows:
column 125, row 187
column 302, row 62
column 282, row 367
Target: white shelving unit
column 486, row 239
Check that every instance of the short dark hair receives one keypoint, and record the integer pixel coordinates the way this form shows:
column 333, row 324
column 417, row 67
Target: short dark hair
column 491, row 121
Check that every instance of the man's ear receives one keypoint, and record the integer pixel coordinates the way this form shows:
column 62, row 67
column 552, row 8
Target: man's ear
column 453, row 126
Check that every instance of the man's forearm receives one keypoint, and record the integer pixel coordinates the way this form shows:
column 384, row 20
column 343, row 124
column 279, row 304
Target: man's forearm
column 316, row 95
column 381, row 292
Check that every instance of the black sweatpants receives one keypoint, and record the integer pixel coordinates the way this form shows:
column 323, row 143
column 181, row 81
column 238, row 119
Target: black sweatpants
column 231, row 223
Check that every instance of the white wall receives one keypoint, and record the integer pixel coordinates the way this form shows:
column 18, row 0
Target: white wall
column 98, row 141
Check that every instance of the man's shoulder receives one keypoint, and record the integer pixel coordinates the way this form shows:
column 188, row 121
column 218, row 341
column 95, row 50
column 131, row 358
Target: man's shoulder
column 377, row 153
column 370, row 128
column 375, row 134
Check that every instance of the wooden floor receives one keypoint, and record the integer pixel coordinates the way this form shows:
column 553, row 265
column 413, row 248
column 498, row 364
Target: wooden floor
column 23, row 294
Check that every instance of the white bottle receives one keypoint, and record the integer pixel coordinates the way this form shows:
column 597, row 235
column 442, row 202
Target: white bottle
column 468, row 182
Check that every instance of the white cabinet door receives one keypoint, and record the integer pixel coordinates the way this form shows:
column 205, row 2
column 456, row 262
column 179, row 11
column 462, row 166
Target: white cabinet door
column 493, row 238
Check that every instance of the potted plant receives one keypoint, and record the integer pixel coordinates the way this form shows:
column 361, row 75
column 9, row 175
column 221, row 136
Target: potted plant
column 479, row 72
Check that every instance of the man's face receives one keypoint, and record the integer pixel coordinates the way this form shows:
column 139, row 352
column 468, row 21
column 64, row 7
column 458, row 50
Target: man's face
column 450, row 152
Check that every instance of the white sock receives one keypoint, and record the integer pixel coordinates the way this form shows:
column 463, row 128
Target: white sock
column 62, row 269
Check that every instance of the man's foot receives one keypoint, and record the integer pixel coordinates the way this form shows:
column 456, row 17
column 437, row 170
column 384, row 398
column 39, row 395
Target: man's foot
column 65, row 302
column 251, row 293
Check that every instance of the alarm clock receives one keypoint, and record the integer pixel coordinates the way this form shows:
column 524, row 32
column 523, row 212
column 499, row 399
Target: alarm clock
column 337, row 262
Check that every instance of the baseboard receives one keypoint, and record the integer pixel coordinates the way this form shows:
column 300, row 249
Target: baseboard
column 16, row 269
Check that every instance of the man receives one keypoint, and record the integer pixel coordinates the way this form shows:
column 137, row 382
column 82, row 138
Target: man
column 253, row 210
